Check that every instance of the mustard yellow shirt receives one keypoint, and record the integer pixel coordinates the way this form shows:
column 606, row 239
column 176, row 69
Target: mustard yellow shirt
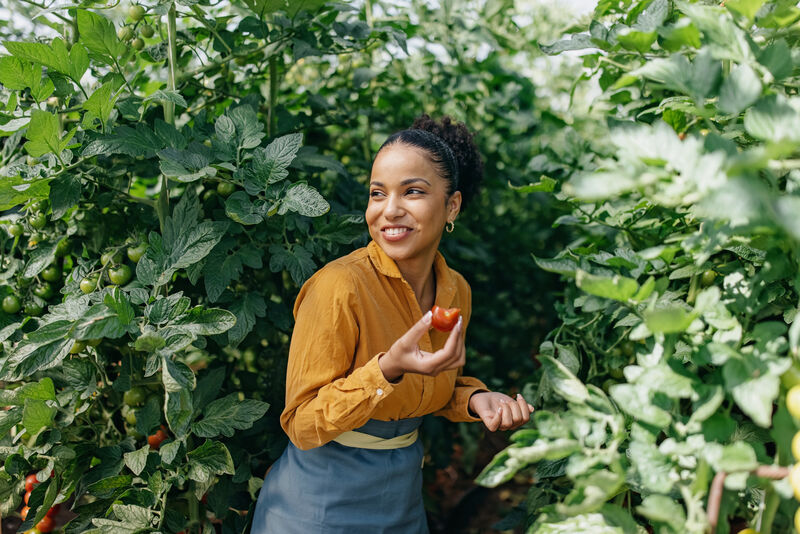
column 347, row 315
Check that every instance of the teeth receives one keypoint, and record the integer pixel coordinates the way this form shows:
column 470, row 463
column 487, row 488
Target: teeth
column 396, row 231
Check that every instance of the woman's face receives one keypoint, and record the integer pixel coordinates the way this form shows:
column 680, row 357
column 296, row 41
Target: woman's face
column 408, row 203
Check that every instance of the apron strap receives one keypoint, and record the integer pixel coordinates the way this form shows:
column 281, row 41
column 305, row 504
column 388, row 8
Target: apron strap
column 361, row 440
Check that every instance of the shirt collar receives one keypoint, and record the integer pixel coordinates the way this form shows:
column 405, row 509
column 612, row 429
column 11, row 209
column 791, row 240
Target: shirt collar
column 445, row 281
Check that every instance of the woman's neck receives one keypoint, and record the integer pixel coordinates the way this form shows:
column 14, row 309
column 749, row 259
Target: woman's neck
column 422, row 279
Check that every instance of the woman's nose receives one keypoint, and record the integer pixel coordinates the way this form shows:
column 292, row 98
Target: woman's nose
column 393, row 207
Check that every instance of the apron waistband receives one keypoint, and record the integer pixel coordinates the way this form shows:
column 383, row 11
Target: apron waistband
column 361, row 440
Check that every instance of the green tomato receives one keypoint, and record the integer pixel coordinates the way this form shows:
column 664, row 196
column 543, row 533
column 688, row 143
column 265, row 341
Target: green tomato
column 63, row 247
column 793, row 401
column 147, row 31
column 125, row 33
column 44, row 290
column 52, row 274
column 11, row 304
column 94, row 342
column 120, row 274
column 34, row 239
column 136, row 13
column 134, row 396
column 136, row 253
column 38, row 220
column 708, row 278
column 89, row 284
column 40, row 205
column 791, row 377
column 129, row 414
column 113, row 257
column 77, row 347
column 137, row 44
column 225, row 189
column 33, row 309
column 15, row 230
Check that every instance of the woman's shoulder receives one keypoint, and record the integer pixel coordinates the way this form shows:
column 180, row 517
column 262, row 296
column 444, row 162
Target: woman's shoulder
column 341, row 273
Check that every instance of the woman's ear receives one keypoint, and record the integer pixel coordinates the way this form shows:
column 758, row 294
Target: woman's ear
column 453, row 205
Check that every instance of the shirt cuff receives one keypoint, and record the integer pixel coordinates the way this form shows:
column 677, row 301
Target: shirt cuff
column 374, row 381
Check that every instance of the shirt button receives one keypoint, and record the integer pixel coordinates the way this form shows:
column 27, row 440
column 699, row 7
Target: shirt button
column 379, row 392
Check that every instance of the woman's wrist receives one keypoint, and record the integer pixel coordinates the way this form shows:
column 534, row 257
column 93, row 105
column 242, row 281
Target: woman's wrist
column 391, row 372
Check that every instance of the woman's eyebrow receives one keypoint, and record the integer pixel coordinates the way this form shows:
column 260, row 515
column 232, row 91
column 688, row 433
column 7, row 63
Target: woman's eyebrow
column 404, row 182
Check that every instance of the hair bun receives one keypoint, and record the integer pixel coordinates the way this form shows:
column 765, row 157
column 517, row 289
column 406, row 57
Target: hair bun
column 460, row 141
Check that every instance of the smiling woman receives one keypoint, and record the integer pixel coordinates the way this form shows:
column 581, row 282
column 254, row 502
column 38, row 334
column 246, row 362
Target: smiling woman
column 364, row 364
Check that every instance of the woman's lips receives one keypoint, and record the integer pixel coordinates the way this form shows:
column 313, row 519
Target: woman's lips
column 396, row 234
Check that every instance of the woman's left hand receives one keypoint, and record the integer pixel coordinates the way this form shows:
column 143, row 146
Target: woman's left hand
column 498, row 411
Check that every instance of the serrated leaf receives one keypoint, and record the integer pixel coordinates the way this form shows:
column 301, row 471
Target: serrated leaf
column 241, row 209
column 137, row 460
column 305, row 200
column 100, row 104
column 296, row 259
column 65, row 192
column 177, row 376
column 246, row 308
column 617, row 287
column 44, row 135
column 98, row 35
column 209, row 459
column 206, row 322
column 564, row 383
column 125, row 140
column 225, row 415
column 37, row 414
column 270, row 164
column 739, row 90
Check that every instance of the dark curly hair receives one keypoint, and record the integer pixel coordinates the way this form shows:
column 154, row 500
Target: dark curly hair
column 451, row 149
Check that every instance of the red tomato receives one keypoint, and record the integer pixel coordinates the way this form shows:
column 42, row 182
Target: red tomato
column 27, row 496
column 156, row 439
column 46, row 524
column 445, row 319
column 30, row 482
column 53, row 511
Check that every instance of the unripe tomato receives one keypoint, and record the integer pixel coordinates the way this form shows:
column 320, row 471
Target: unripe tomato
column 147, row 31
column 708, row 278
column 137, row 44
column 40, row 206
column 791, row 377
column 129, row 414
column 11, row 304
column 89, row 283
column 796, row 446
column 47, row 524
column 794, row 480
column 793, row 401
column 120, row 274
column 125, row 33
column 44, row 290
column 136, row 253
column 52, row 274
column 156, row 439
column 38, row 220
column 134, row 396
column 444, row 319
column 63, row 247
column 241, row 61
column 30, row 482
column 94, row 342
column 15, row 229
column 33, row 309
column 113, row 257
column 136, row 13
column 225, row 189
column 77, row 347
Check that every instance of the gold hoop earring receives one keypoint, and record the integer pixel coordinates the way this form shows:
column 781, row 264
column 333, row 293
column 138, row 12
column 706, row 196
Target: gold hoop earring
column 450, row 227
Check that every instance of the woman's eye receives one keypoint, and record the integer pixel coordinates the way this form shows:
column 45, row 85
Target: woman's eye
column 415, row 192
column 375, row 193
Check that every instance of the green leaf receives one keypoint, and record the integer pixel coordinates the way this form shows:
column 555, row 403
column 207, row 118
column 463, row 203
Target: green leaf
column 617, row 287
column 99, row 105
column 580, row 524
column 635, row 401
column 17, row 74
column 65, row 192
column 737, row 456
column 137, row 460
column 559, row 266
column 209, row 459
column 296, row 259
column 72, row 63
column 638, row 41
column 305, row 200
column 149, row 342
column 177, row 376
column 179, row 411
column 16, row 190
column 43, row 349
column 754, row 395
column 44, row 135
column 185, row 165
column 246, row 308
column 746, row 8
column 125, row 140
column 579, row 41
column 240, row 209
column 778, row 59
column 654, row 469
column 739, row 90
column 249, row 131
column 723, row 38
column 668, row 320
column 545, row 184
column 501, row 469
column 163, row 96
column 290, row 7
column 169, row 451
column 206, row 322
column 98, row 35
column 225, row 415
column 37, row 414
column 663, row 509
column 564, row 383
column 40, row 258
column 270, row 164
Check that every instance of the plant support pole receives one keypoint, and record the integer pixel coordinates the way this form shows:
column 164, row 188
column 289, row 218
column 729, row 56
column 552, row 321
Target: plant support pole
column 169, row 108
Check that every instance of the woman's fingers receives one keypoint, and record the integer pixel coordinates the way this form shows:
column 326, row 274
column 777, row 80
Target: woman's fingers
column 493, row 421
column 414, row 334
column 525, row 408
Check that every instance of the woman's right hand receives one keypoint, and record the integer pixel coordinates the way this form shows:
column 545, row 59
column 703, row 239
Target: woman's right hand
column 405, row 356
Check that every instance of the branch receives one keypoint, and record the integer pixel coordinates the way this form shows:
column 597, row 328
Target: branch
column 774, row 472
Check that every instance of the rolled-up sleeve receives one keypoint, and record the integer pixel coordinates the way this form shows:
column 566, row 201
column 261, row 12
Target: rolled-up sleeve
column 325, row 396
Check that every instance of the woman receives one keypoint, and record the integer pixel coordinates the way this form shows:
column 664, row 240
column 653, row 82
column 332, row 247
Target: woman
column 364, row 363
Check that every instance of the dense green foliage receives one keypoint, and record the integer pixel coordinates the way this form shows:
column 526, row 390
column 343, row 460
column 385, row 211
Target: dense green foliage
column 679, row 334
column 170, row 177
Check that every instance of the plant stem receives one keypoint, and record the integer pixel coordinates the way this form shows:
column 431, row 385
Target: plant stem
column 162, row 208
column 273, row 94
column 772, row 501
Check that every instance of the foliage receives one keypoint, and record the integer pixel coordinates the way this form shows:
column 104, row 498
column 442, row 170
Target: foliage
column 678, row 335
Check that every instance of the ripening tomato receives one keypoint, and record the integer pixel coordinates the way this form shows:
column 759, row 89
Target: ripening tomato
column 30, row 482
column 24, row 512
column 53, row 511
column 47, row 524
column 156, row 439
column 445, row 319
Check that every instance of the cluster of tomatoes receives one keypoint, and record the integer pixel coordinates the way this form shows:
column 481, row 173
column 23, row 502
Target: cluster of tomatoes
column 48, row 523
column 113, row 266
column 132, row 399
column 793, row 405
column 128, row 32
